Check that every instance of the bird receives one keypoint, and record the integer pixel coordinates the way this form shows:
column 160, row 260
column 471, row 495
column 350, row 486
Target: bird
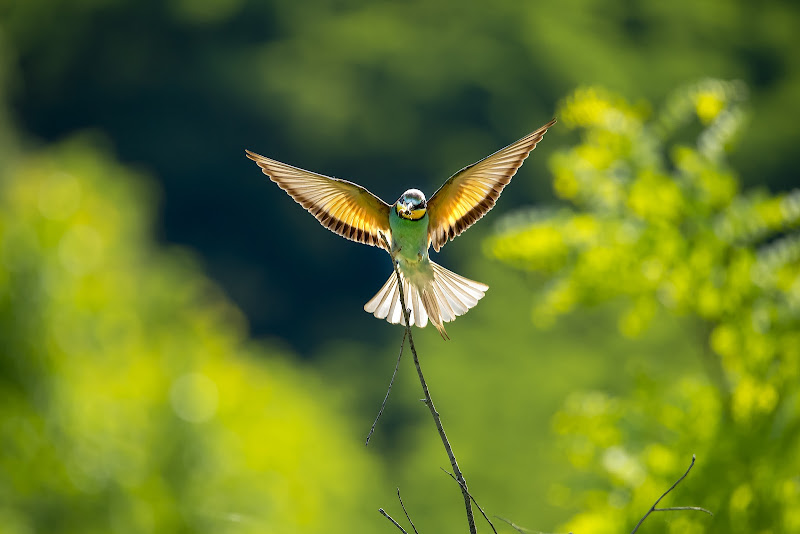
column 408, row 228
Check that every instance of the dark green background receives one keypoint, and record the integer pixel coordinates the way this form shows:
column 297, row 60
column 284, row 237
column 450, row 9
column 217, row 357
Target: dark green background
column 391, row 95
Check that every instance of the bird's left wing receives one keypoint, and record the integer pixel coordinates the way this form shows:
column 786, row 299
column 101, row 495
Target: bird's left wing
column 340, row 206
column 470, row 193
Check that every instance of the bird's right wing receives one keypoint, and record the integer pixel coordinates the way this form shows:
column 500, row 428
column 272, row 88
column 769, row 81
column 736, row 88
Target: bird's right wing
column 471, row 192
column 340, row 206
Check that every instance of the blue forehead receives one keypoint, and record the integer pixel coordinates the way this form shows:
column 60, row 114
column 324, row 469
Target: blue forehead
column 413, row 195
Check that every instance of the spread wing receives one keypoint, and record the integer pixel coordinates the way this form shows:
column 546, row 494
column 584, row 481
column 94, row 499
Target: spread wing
column 340, row 206
column 471, row 192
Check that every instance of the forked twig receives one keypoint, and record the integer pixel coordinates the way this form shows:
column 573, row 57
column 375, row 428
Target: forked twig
column 672, row 508
column 391, row 383
column 387, row 516
column 473, row 500
column 405, row 511
column 429, row 401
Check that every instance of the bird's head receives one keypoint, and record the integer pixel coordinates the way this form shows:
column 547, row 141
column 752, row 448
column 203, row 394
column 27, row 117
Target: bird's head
column 411, row 205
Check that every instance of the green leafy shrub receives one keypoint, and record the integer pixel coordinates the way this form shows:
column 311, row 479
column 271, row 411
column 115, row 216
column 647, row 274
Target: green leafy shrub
column 661, row 226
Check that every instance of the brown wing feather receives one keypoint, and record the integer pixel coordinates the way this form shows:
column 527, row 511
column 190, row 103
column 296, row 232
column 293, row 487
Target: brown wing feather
column 340, row 206
column 471, row 192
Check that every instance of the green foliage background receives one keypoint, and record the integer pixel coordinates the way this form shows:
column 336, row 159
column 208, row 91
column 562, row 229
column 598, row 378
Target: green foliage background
column 132, row 399
column 173, row 360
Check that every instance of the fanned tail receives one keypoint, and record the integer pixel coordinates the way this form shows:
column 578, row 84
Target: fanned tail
column 386, row 303
column 441, row 297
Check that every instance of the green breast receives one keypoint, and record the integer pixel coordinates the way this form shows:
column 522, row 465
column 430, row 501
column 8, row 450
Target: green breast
column 411, row 237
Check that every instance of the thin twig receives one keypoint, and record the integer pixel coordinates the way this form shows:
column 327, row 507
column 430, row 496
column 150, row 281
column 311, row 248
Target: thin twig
column 387, row 516
column 675, row 508
column 429, row 401
column 405, row 511
column 521, row 530
column 518, row 528
column 654, row 509
column 391, row 383
column 473, row 500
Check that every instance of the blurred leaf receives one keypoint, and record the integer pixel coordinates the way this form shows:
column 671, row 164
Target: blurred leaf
column 132, row 400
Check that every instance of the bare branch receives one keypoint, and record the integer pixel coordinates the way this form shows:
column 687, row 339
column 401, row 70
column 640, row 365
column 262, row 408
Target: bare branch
column 518, row 528
column 429, row 400
column 391, row 383
column 405, row 512
column 654, row 509
column 521, row 530
column 676, row 508
column 463, row 488
column 387, row 516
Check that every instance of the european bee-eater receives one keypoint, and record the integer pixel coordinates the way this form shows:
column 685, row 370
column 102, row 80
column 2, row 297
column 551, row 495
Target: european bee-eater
column 410, row 226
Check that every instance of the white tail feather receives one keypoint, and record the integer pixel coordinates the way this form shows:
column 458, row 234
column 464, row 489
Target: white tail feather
column 441, row 299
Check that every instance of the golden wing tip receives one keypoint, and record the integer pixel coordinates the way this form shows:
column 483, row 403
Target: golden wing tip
column 548, row 125
column 252, row 155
